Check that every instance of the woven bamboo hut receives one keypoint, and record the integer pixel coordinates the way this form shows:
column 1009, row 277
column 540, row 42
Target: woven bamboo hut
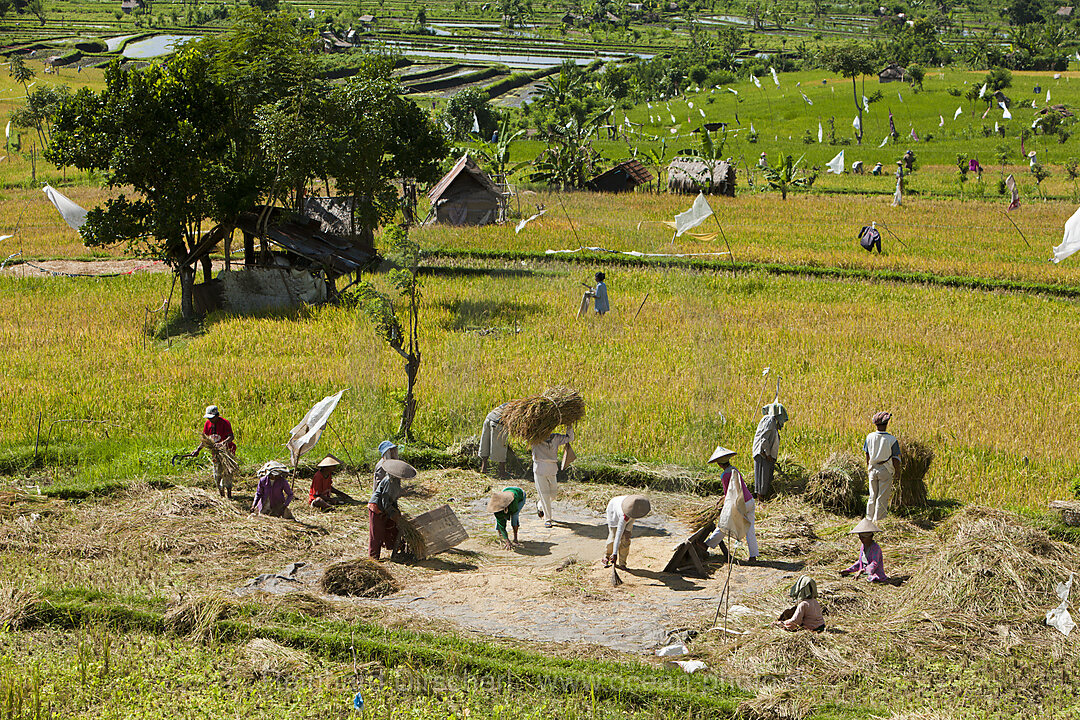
column 467, row 196
column 691, row 175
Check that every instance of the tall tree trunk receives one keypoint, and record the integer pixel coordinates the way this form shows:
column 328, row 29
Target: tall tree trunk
column 187, row 285
column 858, row 106
column 408, row 412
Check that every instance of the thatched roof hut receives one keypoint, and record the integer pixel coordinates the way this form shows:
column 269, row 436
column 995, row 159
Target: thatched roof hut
column 691, row 175
column 624, row 177
column 467, row 196
column 892, row 73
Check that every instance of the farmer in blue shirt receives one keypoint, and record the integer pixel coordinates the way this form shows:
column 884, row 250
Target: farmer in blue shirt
column 600, row 295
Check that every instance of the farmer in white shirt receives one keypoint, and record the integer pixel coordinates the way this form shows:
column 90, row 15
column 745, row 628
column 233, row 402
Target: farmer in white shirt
column 622, row 511
column 767, row 447
column 882, row 452
column 545, row 472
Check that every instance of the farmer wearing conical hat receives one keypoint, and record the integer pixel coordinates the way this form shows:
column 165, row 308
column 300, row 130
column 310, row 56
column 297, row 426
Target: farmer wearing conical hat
column 722, row 457
column 383, row 511
column 320, row 496
column 622, row 511
column 767, row 447
column 870, row 559
column 506, row 504
column 882, row 452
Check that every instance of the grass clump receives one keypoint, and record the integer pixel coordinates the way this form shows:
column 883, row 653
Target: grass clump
column 359, row 578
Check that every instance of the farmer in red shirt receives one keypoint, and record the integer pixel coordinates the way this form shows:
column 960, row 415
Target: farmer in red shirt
column 219, row 430
column 322, row 483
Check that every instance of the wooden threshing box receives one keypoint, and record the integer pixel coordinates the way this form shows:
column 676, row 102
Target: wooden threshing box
column 441, row 530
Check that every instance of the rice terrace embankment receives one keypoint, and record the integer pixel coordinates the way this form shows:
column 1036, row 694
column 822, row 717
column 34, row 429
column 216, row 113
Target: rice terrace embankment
column 780, row 299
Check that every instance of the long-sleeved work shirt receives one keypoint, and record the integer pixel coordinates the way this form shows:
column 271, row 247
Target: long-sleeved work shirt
column 322, row 483
column 546, row 454
column 616, row 519
column 807, row 615
column 601, row 298
column 871, row 562
column 767, row 438
column 272, row 492
column 387, row 491
column 510, row 514
column 222, row 428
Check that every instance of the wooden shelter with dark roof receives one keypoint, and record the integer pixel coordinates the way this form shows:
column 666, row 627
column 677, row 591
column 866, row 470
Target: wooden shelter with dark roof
column 466, row 196
column 624, row 177
column 892, row 73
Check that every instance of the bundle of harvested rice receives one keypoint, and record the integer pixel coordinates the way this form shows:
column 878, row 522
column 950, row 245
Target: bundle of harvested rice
column 534, row 418
column 18, row 606
column 302, row 603
column 699, row 515
column 775, row 705
column 269, row 659
column 837, row 485
column 909, row 490
column 224, row 462
column 790, row 476
column 413, row 539
column 197, row 615
column 358, row 578
column 992, row 567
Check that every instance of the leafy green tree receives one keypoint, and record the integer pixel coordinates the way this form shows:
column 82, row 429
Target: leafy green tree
column 465, row 105
column 1025, row 12
column 785, row 175
column 20, row 72
column 569, row 159
column 851, row 60
column 998, row 78
column 41, row 105
column 396, row 317
column 497, row 154
column 38, row 8
column 917, row 75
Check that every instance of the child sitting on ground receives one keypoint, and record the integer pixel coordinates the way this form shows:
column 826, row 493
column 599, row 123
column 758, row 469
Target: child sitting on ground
column 870, row 559
column 807, row 612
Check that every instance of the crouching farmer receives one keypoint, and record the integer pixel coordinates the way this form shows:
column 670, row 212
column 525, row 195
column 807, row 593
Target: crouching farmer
column 506, row 505
column 273, row 493
column 622, row 511
column 806, row 615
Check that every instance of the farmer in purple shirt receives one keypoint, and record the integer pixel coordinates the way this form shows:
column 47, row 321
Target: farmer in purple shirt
column 870, row 559
column 273, row 494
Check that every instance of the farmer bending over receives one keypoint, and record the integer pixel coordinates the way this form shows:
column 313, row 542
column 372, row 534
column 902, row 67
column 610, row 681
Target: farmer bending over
column 383, row 511
column 622, row 511
column 506, row 505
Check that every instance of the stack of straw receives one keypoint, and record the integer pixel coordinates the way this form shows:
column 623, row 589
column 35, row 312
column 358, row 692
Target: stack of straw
column 224, row 462
column 910, row 488
column 411, row 537
column 361, row 578
column 837, row 485
column 698, row 516
column 533, row 419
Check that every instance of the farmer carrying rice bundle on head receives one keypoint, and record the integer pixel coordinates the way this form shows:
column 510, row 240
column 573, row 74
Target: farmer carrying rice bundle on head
column 882, row 452
column 622, row 511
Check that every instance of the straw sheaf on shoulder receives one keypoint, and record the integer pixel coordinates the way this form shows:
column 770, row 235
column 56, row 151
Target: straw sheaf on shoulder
column 534, row 418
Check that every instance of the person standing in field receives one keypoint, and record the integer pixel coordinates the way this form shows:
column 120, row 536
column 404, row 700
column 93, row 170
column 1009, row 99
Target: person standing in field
column 383, row 511
column 506, row 505
column 767, row 447
column 493, row 441
column 599, row 295
column 273, row 493
column 545, row 473
column 219, row 430
column 722, row 457
column 882, row 452
column 622, row 511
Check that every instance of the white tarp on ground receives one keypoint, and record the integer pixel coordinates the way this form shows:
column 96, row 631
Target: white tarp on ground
column 1059, row 617
column 73, row 215
column 304, row 436
column 698, row 213
column 1070, row 243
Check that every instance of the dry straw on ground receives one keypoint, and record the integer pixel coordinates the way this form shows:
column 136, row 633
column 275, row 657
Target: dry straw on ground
column 197, row 615
column 269, row 659
column 359, row 578
column 838, row 484
column 533, row 419
column 412, row 537
column 17, row 606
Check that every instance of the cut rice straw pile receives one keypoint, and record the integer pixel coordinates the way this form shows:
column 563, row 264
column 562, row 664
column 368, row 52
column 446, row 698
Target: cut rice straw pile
column 533, row 419
column 412, row 537
column 698, row 516
column 224, row 462
column 359, row 578
column 837, row 485
column 269, row 659
column 910, row 489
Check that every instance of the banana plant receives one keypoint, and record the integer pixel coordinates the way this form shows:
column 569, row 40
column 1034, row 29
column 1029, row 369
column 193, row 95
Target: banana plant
column 785, row 175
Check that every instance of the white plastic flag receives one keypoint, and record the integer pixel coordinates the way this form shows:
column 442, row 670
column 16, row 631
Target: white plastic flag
column 856, row 124
column 701, row 112
column 1034, row 106
column 7, row 131
column 898, row 197
column 521, row 225
column 304, row 436
column 776, row 80
column 808, row 100
column 958, row 113
column 690, row 104
column 73, row 215
column 1047, row 96
column 996, row 127
column 698, row 213
column 865, row 104
column 1005, row 114
column 820, row 132
column 982, row 91
column 836, row 165
column 475, row 123
column 733, row 91
column 734, row 517
column 673, row 119
column 900, row 96
column 752, row 130
column 757, row 83
column 1070, row 243
column 884, row 141
column 941, row 121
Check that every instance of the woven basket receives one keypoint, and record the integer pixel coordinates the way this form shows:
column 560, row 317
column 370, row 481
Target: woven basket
column 1070, row 511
